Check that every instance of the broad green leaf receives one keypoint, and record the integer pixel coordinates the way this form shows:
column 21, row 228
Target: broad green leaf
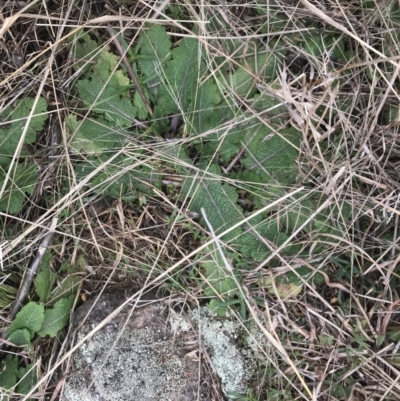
column 176, row 156
column 276, row 21
column 271, row 106
column 218, row 279
column 208, row 112
column 22, row 182
column 13, row 121
column 28, row 378
column 68, row 287
column 85, row 50
column 142, row 112
column 380, row 340
column 45, row 278
column 391, row 113
column 261, row 68
column 108, row 102
column 4, row 162
column 179, row 82
column 181, row 85
column 301, row 214
column 30, row 317
column 93, row 136
column 281, row 288
column 141, row 179
column 217, row 24
column 8, row 372
column 274, row 153
column 304, row 274
column 268, row 228
column 219, row 202
column 20, row 337
column 215, row 306
column 105, row 91
column 313, row 45
column 120, row 179
column 336, row 47
column 224, row 144
column 104, row 71
column 154, row 48
column 57, row 317
column 253, row 248
column 182, row 74
column 394, row 12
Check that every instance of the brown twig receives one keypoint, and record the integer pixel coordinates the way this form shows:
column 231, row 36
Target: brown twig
column 27, row 281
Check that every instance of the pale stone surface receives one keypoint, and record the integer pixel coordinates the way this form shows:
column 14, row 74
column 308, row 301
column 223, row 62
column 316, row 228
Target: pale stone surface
column 151, row 360
column 220, row 337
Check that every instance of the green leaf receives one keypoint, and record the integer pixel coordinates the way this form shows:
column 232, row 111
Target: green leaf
column 313, row 45
column 142, row 112
column 327, row 221
column 13, row 121
column 93, row 136
column 120, row 179
column 304, row 274
column 8, row 292
column 105, row 88
column 269, row 228
column 208, row 112
column 394, row 12
column 20, row 337
column 30, row 317
column 108, row 102
column 28, row 378
column 182, row 74
column 223, row 145
column 216, row 23
column 252, row 247
column 181, row 85
column 84, row 50
column 106, row 91
column 275, row 153
column 179, row 82
column 336, row 47
column 45, row 278
column 67, row 288
column 8, row 372
column 276, row 21
column 105, row 71
column 219, row 202
column 217, row 306
column 24, row 178
column 272, row 106
column 57, row 317
column 218, row 279
column 154, row 48
column 380, row 340
column 262, row 68
column 140, row 179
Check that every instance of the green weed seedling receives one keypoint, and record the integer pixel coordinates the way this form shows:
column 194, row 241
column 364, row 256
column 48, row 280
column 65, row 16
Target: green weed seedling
column 45, row 317
column 175, row 82
column 18, row 177
column 21, row 379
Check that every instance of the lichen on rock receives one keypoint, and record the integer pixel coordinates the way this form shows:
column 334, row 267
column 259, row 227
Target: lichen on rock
column 132, row 358
column 144, row 354
column 220, row 337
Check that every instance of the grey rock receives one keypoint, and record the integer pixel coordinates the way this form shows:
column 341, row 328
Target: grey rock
column 132, row 358
column 152, row 354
